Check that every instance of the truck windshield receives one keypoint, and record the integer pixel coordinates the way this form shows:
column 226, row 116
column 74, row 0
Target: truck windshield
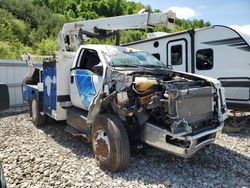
column 133, row 59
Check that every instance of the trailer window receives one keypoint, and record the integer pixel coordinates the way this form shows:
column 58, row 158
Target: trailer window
column 157, row 56
column 176, row 54
column 204, row 59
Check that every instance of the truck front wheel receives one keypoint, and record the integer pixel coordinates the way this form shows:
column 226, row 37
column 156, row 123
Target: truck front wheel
column 36, row 116
column 110, row 143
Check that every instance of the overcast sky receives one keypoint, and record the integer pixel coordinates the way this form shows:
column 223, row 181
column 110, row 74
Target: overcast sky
column 218, row 12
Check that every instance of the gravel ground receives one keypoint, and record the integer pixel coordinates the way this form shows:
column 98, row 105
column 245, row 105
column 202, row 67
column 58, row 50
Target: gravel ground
column 47, row 156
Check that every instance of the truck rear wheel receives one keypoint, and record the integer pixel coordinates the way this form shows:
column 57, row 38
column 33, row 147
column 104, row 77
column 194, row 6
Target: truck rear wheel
column 36, row 116
column 110, row 143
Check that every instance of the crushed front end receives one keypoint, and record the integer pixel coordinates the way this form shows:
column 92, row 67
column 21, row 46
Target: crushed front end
column 194, row 115
column 185, row 116
column 173, row 111
column 176, row 112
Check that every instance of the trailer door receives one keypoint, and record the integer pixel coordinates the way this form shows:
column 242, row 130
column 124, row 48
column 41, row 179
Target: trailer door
column 177, row 54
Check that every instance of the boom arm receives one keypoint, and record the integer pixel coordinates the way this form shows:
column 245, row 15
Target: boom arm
column 100, row 28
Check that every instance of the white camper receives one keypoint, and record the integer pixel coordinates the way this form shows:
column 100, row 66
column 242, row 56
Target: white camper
column 218, row 51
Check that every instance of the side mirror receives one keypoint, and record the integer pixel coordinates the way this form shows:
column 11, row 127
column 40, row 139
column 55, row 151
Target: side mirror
column 98, row 70
column 170, row 67
column 4, row 97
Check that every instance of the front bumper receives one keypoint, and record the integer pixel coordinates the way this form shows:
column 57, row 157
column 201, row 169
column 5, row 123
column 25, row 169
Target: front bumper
column 184, row 146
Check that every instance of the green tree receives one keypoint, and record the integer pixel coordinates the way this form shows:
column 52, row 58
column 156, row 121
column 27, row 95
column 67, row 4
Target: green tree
column 33, row 25
column 115, row 7
column 21, row 9
column 47, row 47
column 182, row 24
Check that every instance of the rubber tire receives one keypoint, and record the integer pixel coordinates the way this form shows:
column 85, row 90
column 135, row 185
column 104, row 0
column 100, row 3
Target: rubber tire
column 119, row 143
column 2, row 179
column 39, row 119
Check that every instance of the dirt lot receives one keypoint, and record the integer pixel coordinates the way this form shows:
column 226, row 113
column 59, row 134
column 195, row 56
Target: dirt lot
column 47, row 156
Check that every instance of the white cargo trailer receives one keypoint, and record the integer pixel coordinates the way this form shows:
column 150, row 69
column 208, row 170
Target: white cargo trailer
column 219, row 51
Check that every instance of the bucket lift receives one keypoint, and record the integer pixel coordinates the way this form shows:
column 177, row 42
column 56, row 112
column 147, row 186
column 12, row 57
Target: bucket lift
column 74, row 34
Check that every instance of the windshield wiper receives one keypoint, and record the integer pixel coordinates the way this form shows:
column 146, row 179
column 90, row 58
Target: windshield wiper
column 153, row 66
column 126, row 66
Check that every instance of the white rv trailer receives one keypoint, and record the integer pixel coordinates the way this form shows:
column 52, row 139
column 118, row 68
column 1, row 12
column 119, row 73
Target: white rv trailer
column 218, row 51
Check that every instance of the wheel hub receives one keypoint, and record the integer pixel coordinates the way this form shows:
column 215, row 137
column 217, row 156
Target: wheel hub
column 101, row 144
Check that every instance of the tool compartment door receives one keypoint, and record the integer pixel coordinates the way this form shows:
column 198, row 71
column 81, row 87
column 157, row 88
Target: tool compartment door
column 49, row 87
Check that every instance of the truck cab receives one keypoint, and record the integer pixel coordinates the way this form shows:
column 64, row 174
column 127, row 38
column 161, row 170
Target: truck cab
column 115, row 97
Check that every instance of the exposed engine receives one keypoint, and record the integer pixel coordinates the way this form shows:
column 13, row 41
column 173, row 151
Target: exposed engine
column 180, row 105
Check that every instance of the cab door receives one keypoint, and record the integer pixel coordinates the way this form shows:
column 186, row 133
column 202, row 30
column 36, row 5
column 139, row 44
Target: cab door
column 177, row 54
column 86, row 79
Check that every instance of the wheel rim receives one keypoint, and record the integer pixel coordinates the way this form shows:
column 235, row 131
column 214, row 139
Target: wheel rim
column 101, row 144
column 34, row 109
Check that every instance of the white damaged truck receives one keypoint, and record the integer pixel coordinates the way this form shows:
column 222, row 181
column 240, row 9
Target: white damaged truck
column 117, row 97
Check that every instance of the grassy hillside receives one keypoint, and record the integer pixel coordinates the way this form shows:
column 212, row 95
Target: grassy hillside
column 33, row 25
